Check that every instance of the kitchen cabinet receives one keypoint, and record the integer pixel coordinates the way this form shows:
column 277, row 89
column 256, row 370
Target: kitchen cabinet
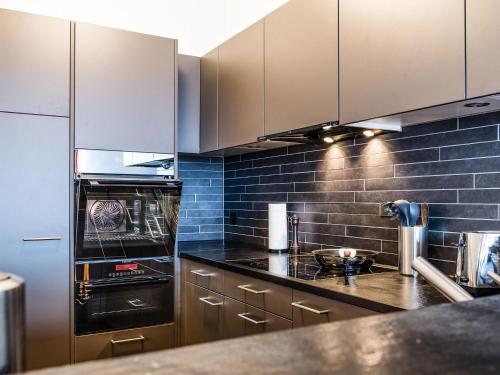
column 35, row 228
column 34, row 64
column 399, row 55
column 245, row 305
column 483, row 47
column 203, row 275
column 189, row 104
column 241, row 87
column 241, row 319
column 259, row 293
column 209, row 107
column 125, row 90
column 118, row 343
column 202, row 318
column 301, row 65
column 309, row 309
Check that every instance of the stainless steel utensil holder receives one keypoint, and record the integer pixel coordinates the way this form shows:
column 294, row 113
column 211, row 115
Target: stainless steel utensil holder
column 412, row 244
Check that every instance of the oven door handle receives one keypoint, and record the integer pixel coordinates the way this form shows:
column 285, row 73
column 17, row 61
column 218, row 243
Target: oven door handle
column 138, row 282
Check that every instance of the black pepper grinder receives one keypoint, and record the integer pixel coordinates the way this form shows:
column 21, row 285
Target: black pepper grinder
column 295, row 245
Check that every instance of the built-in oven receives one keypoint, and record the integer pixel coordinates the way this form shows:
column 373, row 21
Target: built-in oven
column 123, row 294
column 124, row 251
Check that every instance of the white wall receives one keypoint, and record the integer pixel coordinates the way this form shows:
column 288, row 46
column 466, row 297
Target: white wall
column 199, row 25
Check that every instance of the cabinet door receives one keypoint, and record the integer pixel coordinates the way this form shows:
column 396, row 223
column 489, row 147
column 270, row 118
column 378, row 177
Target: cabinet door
column 399, row 55
column 35, row 228
column 209, row 108
column 118, row 343
column 201, row 315
column 483, row 47
column 34, row 64
column 309, row 309
column 241, row 87
column 189, row 104
column 125, row 88
column 301, row 61
column 241, row 319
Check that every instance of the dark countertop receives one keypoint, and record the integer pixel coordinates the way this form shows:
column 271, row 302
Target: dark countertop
column 444, row 339
column 384, row 292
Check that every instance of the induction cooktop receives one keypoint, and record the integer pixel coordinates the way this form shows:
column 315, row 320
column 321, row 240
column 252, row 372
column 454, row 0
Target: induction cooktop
column 304, row 267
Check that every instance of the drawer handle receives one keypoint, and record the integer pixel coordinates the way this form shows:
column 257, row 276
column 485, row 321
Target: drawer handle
column 124, row 341
column 207, row 301
column 200, row 273
column 246, row 317
column 247, row 288
column 50, row 238
column 307, row 308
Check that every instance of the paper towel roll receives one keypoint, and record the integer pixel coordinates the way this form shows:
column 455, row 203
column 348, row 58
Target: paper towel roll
column 278, row 226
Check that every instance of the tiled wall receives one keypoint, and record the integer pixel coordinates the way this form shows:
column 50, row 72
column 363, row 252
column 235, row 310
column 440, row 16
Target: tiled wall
column 201, row 213
column 453, row 165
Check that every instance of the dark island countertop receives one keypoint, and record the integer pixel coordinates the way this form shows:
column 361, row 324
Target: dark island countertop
column 382, row 292
column 444, row 339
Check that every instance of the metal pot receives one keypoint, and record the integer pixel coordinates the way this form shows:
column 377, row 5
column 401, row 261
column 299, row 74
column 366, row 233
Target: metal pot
column 478, row 254
column 330, row 258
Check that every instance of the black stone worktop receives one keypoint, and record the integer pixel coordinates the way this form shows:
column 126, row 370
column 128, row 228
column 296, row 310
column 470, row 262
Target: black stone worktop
column 444, row 339
column 383, row 292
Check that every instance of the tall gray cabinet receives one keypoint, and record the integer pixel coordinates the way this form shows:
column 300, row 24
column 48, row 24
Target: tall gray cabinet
column 399, row 55
column 301, row 65
column 125, row 90
column 483, row 47
column 241, row 87
column 34, row 64
column 34, row 239
column 209, row 110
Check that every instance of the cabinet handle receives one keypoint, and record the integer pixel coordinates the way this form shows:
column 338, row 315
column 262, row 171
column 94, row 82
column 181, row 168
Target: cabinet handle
column 247, row 288
column 51, row 238
column 307, row 308
column 124, row 341
column 200, row 273
column 207, row 301
column 246, row 317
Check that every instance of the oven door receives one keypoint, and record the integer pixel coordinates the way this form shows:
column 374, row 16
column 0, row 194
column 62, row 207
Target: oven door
column 119, row 305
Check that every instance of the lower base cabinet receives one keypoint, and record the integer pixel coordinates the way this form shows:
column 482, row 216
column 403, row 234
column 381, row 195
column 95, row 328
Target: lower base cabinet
column 201, row 315
column 309, row 309
column 125, row 342
column 241, row 319
column 218, row 304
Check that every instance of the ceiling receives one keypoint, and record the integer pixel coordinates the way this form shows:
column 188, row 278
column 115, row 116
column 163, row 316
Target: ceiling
column 199, row 25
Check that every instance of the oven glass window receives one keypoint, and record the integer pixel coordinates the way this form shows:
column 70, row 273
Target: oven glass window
column 126, row 220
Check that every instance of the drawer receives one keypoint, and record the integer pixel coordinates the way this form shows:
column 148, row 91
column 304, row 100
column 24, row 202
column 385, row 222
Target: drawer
column 241, row 319
column 267, row 296
column 118, row 343
column 309, row 309
column 207, row 277
column 202, row 312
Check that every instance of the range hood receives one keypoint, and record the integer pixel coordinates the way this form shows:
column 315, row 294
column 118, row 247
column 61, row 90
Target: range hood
column 333, row 131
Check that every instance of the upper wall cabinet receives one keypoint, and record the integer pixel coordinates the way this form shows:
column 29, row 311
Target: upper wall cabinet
column 301, row 65
column 188, row 68
column 241, row 87
column 483, row 47
column 399, row 55
column 34, row 64
column 209, row 116
column 125, row 90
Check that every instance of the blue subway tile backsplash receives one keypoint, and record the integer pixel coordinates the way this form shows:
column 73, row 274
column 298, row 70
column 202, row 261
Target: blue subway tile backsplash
column 201, row 212
column 335, row 189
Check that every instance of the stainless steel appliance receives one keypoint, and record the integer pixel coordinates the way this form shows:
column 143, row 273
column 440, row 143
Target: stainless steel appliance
column 478, row 254
column 124, row 252
column 11, row 324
